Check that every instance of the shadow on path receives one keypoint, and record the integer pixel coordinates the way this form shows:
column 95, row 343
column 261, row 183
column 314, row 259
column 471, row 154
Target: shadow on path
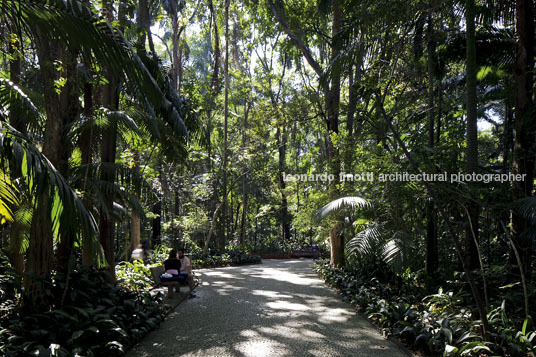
column 278, row 308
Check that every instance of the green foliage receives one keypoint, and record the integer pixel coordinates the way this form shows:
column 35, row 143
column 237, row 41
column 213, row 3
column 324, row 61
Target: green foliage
column 509, row 336
column 134, row 275
column 213, row 259
column 68, row 213
column 90, row 317
column 169, row 168
column 437, row 324
column 343, row 202
column 8, row 289
column 8, row 199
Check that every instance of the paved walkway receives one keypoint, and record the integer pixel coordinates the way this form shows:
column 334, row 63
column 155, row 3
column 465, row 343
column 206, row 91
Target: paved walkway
column 278, row 308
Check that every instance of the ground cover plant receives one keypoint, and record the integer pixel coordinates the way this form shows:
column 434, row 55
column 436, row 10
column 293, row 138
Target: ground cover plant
column 438, row 324
column 87, row 317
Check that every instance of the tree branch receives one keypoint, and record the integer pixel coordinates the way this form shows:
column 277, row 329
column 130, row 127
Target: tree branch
column 303, row 48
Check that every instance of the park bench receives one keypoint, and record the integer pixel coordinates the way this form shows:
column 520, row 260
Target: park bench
column 302, row 253
column 171, row 285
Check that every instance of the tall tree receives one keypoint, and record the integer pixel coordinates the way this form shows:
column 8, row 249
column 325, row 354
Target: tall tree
column 224, row 218
column 19, row 123
column 471, row 154
column 110, row 100
column 40, row 250
column 431, row 217
column 330, row 79
column 525, row 132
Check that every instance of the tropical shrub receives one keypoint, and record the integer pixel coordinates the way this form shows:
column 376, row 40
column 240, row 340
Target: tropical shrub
column 90, row 317
column 215, row 259
column 134, row 275
column 437, row 324
column 8, row 285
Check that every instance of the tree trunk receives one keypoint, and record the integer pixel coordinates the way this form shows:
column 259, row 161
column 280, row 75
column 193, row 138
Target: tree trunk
column 108, row 153
column 157, row 223
column 175, row 68
column 337, row 246
column 525, row 134
column 19, row 123
column 212, row 227
column 281, row 137
column 135, row 221
column 332, row 108
column 110, row 100
column 70, row 109
column 431, row 217
column 86, row 144
column 224, row 210
column 508, row 135
column 142, row 21
column 40, row 250
column 243, row 221
column 135, row 233
column 471, row 155
column 215, row 74
column 352, row 104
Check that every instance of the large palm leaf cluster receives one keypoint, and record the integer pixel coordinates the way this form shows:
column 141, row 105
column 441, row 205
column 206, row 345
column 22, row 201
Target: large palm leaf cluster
column 151, row 113
column 373, row 245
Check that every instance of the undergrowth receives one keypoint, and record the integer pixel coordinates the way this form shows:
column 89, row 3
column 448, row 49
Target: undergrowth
column 440, row 324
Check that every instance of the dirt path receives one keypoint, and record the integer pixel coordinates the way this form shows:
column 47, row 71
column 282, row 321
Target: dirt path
column 278, row 308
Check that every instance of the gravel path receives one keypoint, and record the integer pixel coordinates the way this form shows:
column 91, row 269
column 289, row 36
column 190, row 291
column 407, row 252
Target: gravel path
column 278, row 308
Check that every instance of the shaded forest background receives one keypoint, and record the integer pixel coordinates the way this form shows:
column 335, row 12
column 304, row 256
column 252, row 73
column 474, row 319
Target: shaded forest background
column 175, row 124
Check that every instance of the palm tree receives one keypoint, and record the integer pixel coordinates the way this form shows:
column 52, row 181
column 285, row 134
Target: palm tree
column 71, row 26
column 333, row 207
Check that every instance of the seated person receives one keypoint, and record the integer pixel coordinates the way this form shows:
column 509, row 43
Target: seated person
column 172, row 266
column 185, row 272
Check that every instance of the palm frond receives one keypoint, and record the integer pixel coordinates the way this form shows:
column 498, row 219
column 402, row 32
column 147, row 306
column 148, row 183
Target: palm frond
column 8, row 198
column 374, row 245
column 104, row 119
column 526, row 207
column 369, row 242
column 74, row 24
column 101, row 189
column 343, row 202
column 40, row 175
column 148, row 123
column 15, row 102
column 19, row 237
column 399, row 253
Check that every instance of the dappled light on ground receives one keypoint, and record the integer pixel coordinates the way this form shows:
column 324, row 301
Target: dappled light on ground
column 279, row 308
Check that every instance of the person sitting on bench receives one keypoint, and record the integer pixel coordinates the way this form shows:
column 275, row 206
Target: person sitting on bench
column 185, row 271
column 172, row 264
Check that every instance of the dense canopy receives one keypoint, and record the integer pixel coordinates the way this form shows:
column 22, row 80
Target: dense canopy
column 399, row 136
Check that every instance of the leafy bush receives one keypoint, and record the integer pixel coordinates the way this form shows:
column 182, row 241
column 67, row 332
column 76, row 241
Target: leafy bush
column 134, row 275
column 239, row 258
column 215, row 259
column 95, row 319
column 438, row 324
column 159, row 254
column 8, row 284
column 209, row 259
